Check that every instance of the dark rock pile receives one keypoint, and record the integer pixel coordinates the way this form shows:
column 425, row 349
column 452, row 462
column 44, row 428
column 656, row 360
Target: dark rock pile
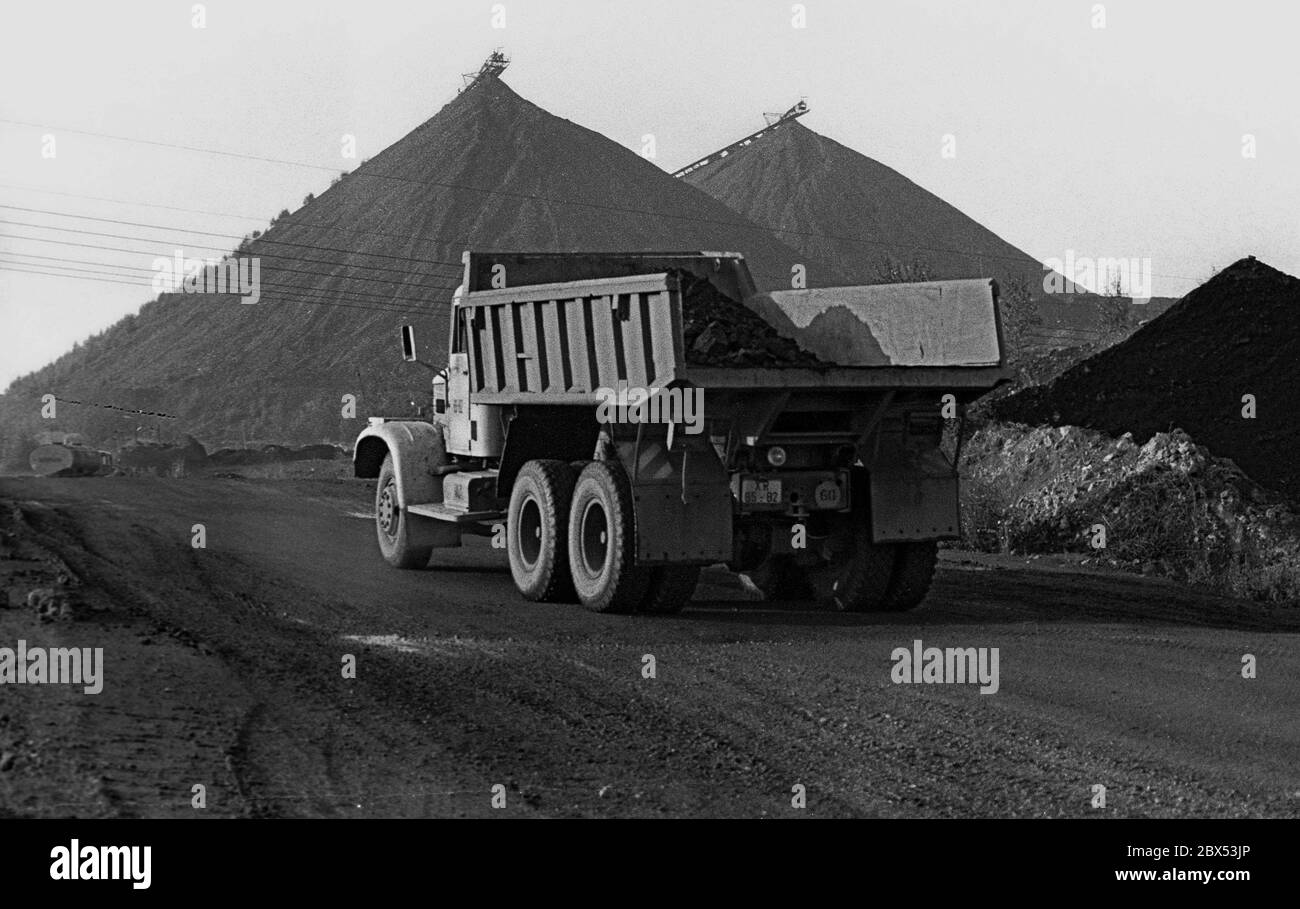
column 1167, row 507
column 720, row 331
column 1235, row 336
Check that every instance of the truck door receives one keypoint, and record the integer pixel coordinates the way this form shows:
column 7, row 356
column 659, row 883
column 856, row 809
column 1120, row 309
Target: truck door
column 458, row 416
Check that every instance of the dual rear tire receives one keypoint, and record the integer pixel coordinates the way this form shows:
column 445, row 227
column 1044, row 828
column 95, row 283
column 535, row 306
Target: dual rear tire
column 853, row 573
column 871, row 577
column 537, row 526
column 572, row 534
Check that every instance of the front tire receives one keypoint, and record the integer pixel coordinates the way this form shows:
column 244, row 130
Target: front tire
column 537, row 528
column 602, row 541
column 393, row 525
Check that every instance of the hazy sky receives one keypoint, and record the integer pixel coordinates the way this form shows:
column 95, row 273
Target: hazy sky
column 1124, row 141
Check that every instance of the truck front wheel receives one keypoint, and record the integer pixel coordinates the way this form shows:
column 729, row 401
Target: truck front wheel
column 602, row 541
column 536, row 529
column 393, row 524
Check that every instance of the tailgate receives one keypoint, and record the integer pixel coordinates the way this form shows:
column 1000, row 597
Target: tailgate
column 932, row 323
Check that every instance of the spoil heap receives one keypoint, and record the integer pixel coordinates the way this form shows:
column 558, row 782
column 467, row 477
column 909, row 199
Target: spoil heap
column 1236, row 335
column 833, row 203
column 380, row 248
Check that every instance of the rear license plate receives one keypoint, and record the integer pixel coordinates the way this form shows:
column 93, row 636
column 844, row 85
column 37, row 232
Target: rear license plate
column 760, row 492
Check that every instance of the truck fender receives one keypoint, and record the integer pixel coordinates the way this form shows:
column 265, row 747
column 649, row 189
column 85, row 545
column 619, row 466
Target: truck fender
column 417, row 450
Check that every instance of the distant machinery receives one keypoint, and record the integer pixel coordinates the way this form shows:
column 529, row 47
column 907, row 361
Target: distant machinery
column 64, row 460
column 495, row 65
column 797, row 111
column 774, row 122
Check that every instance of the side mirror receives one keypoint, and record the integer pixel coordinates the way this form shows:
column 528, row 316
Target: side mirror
column 408, row 344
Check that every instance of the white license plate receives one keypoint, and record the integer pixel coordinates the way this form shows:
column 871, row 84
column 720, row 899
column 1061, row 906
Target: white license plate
column 760, row 492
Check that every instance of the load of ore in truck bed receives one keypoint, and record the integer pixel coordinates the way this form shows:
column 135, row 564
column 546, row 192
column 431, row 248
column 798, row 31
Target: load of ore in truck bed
column 720, row 331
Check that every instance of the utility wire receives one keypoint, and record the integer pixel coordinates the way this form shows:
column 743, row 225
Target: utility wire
column 275, row 290
column 275, row 296
column 250, row 240
column 274, row 267
column 168, row 255
column 359, row 296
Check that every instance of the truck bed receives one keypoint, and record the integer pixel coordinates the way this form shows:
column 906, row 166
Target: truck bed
column 559, row 342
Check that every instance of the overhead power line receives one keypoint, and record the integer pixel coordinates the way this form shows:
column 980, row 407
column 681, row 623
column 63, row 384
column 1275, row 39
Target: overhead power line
column 275, row 268
column 169, row 254
column 262, row 241
column 297, row 219
column 275, row 289
column 275, row 295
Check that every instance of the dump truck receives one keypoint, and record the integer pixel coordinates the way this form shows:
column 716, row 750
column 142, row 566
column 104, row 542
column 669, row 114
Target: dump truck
column 612, row 461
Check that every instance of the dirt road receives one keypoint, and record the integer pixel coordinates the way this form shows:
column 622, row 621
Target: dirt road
column 223, row 668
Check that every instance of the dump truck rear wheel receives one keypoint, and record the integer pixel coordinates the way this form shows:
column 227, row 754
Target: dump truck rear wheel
column 537, row 528
column 393, row 525
column 913, row 574
column 863, row 582
column 602, row 541
column 861, row 574
column 670, row 588
column 781, row 579
column 858, row 573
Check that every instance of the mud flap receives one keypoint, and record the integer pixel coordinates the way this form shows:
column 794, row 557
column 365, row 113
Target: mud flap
column 682, row 497
column 914, row 497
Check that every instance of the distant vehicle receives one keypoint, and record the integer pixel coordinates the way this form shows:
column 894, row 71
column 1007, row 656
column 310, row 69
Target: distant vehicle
column 64, row 460
column 823, row 482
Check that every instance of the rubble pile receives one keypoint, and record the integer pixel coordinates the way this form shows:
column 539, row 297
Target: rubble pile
column 1167, row 506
